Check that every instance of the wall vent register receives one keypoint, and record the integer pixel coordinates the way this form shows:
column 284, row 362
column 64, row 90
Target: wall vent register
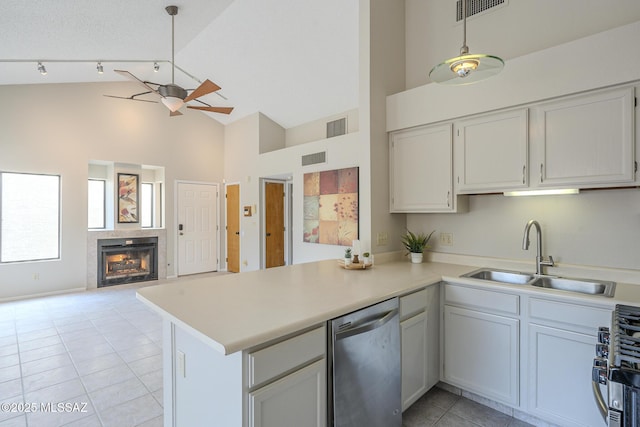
column 475, row 7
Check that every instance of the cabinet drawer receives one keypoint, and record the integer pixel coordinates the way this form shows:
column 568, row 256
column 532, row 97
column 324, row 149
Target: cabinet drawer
column 480, row 298
column 583, row 316
column 413, row 304
column 271, row 362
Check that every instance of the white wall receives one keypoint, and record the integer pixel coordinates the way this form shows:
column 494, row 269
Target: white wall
column 317, row 129
column 59, row 128
column 595, row 228
column 519, row 28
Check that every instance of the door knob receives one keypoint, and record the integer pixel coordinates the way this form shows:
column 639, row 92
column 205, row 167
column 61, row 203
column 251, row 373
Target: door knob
column 268, row 234
column 238, row 233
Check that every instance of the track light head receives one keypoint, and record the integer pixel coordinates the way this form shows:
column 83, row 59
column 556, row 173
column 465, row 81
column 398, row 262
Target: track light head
column 156, row 67
column 100, row 68
column 42, row 69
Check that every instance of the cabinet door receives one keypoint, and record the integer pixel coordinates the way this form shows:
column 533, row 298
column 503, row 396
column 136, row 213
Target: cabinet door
column 481, row 353
column 491, row 152
column 414, row 358
column 298, row 399
column 560, row 377
column 586, row 140
column 421, row 170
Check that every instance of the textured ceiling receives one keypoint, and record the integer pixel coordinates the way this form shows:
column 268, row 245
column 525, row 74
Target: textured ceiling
column 293, row 60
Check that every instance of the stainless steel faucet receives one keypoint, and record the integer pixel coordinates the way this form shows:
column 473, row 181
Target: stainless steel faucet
column 540, row 261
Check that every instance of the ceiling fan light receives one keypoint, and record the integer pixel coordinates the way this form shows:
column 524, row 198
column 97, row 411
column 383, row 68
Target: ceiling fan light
column 173, row 103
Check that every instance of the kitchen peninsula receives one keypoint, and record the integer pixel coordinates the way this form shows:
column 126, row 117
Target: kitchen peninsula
column 244, row 349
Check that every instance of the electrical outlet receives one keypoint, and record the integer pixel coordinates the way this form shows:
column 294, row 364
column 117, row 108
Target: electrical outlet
column 382, row 238
column 446, row 239
column 36, row 276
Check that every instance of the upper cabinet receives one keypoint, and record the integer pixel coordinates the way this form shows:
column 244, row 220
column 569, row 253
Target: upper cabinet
column 421, row 170
column 491, row 152
column 585, row 140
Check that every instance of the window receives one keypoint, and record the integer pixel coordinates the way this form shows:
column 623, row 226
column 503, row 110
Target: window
column 96, row 202
column 146, row 205
column 29, row 217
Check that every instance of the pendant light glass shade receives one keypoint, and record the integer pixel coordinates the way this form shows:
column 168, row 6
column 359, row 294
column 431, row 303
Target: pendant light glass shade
column 466, row 68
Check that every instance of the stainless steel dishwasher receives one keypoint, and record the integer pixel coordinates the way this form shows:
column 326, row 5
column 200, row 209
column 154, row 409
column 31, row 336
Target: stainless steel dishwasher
column 364, row 370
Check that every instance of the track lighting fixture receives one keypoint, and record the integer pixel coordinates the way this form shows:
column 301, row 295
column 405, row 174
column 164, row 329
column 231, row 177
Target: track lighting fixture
column 41, row 68
column 156, row 67
column 100, row 68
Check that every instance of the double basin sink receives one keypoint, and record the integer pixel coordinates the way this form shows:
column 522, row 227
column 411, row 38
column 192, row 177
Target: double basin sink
column 583, row 286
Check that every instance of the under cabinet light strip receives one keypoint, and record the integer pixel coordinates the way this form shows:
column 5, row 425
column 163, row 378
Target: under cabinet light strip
column 550, row 192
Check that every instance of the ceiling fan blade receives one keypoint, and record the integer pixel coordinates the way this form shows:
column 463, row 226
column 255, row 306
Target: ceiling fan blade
column 174, row 113
column 222, row 110
column 130, row 76
column 131, row 98
column 206, row 87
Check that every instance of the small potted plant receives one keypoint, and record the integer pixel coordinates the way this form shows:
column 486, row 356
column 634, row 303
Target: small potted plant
column 347, row 256
column 365, row 257
column 415, row 244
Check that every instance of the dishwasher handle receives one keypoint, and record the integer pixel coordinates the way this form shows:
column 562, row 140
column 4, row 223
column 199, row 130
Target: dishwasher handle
column 370, row 325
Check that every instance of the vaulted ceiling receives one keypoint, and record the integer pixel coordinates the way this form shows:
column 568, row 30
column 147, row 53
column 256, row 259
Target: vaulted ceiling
column 293, row 60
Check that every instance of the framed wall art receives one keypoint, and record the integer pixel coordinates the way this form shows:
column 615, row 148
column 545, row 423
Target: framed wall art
column 331, row 207
column 128, row 186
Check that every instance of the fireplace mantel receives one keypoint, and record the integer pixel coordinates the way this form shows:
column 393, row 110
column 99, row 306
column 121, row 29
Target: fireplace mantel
column 92, row 249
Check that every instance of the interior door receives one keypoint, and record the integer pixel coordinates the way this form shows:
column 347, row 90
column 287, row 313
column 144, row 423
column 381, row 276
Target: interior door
column 197, row 228
column 233, row 228
column 274, row 224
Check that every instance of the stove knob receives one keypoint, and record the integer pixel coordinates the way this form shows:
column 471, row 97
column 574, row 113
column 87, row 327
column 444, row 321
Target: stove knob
column 599, row 375
column 603, row 335
column 602, row 350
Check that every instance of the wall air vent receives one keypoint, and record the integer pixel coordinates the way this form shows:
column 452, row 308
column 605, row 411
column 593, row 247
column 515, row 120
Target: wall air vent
column 314, row 159
column 475, row 7
column 337, row 127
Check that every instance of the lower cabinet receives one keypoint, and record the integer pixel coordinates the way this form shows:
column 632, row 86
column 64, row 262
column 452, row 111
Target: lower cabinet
column 298, row 399
column 280, row 384
column 562, row 342
column 419, row 334
column 481, row 353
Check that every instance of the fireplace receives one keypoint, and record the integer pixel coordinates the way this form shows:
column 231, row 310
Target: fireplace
column 127, row 260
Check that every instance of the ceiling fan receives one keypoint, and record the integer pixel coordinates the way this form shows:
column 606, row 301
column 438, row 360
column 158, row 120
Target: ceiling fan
column 172, row 95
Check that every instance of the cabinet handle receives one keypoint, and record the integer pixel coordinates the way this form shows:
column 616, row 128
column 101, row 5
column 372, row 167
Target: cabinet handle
column 541, row 166
column 524, row 168
column 448, row 197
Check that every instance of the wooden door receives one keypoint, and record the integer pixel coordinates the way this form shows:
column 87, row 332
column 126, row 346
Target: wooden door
column 197, row 228
column 233, row 228
column 274, row 224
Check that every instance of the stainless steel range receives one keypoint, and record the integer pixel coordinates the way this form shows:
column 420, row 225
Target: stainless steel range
column 617, row 368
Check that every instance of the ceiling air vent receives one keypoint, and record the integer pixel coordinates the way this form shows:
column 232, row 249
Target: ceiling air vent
column 477, row 6
column 337, row 127
column 314, row 159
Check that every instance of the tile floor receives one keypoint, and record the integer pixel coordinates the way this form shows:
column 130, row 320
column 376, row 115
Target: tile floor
column 99, row 352
column 439, row 408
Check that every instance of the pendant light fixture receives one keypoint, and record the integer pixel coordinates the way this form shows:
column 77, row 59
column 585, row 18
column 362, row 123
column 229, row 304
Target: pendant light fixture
column 466, row 68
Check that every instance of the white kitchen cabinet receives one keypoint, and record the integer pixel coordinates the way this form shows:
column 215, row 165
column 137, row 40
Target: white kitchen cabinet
column 298, row 399
column 562, row 341
column 280, row 384
column 419, row 331
column 491, row 152
column 421, row 170
column 480, row 346
column 585, row 140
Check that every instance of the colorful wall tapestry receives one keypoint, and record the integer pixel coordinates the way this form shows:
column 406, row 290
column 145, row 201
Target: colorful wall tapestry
column 331, row 207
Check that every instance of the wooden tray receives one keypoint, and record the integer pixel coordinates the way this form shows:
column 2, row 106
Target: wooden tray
column 359, row 266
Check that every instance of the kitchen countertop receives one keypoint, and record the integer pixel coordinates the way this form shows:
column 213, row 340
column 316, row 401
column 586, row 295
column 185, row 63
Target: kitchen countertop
column 235, row 312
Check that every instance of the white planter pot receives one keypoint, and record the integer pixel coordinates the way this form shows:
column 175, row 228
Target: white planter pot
column 416, row 258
